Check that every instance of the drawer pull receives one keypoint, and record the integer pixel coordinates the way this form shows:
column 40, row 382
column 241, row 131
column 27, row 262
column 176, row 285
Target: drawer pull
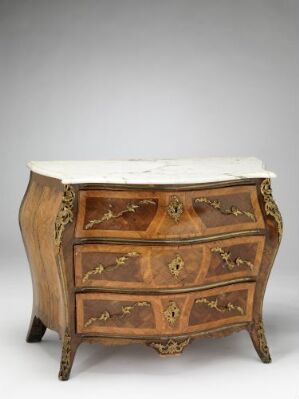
column 233, row 210
column 176, row 266
column 100, row 268
column 229, row 263
column 172, row 347
column 222, row 309
column 110, row 215
column 125, row 311
column 171, row 313
column 175, row 208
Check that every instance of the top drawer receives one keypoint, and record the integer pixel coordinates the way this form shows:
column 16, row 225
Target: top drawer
column 167, row 215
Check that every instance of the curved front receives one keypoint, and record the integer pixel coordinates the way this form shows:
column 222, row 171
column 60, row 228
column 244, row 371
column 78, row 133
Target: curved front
column 168, row 315
column 161, row 215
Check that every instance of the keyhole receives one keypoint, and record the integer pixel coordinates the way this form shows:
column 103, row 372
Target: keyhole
column 172, row 314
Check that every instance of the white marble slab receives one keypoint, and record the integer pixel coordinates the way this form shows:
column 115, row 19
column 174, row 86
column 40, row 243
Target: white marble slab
column 149, row 171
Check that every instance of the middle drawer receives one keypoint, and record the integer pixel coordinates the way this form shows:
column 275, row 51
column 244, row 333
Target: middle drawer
column 152, row 267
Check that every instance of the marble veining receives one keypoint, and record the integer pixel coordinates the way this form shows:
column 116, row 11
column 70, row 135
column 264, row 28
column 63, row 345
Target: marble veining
column 152, row 171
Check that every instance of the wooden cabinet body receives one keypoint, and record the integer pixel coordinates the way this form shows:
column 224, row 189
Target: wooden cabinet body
column 159, row 265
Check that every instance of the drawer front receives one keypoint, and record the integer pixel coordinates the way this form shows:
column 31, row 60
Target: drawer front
column 148, row 315
column 151, row 267
column 164, row 215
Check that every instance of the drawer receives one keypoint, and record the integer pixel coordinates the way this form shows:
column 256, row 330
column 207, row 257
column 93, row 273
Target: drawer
column 164, row 214
column 148, row 315
column 152, row 267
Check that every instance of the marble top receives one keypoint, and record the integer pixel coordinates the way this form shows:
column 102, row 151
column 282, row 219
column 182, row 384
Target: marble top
column 152, row 171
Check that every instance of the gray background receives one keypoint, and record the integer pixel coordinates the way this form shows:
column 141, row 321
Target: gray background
column 116, row 79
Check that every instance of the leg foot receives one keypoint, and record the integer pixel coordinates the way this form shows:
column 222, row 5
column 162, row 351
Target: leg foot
column 69, row 348
column 36, row 330
column 259, row 341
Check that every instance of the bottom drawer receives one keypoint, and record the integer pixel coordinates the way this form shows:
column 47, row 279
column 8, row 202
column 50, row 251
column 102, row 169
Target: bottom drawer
column 152, row 315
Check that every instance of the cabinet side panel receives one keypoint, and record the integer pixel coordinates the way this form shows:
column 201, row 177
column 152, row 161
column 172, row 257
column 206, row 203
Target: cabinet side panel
column 37, row 220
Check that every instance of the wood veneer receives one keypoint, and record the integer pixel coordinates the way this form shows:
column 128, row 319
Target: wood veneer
column 150, row 267
column 192, row 317
column 152, row 220
column 229, row 292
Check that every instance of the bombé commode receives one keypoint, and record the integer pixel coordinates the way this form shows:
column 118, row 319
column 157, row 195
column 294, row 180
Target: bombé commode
column 158, row 252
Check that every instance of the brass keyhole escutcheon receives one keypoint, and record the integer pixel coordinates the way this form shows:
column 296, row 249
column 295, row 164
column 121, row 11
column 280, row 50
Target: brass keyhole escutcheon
column 175, row 208
column 176, row 266
column 171, row 313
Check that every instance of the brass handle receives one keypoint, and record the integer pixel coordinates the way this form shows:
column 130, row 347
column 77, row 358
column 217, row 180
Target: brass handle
column 100, row 268
column 213, row 304
column 232, row 210
column 131, row 207
column 175, row 208
column 228, row 262
column 125, row 311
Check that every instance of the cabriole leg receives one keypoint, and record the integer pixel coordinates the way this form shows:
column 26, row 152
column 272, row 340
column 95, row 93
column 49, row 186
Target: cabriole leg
column 69, row 348
column 36, row 330
column 259, row 341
